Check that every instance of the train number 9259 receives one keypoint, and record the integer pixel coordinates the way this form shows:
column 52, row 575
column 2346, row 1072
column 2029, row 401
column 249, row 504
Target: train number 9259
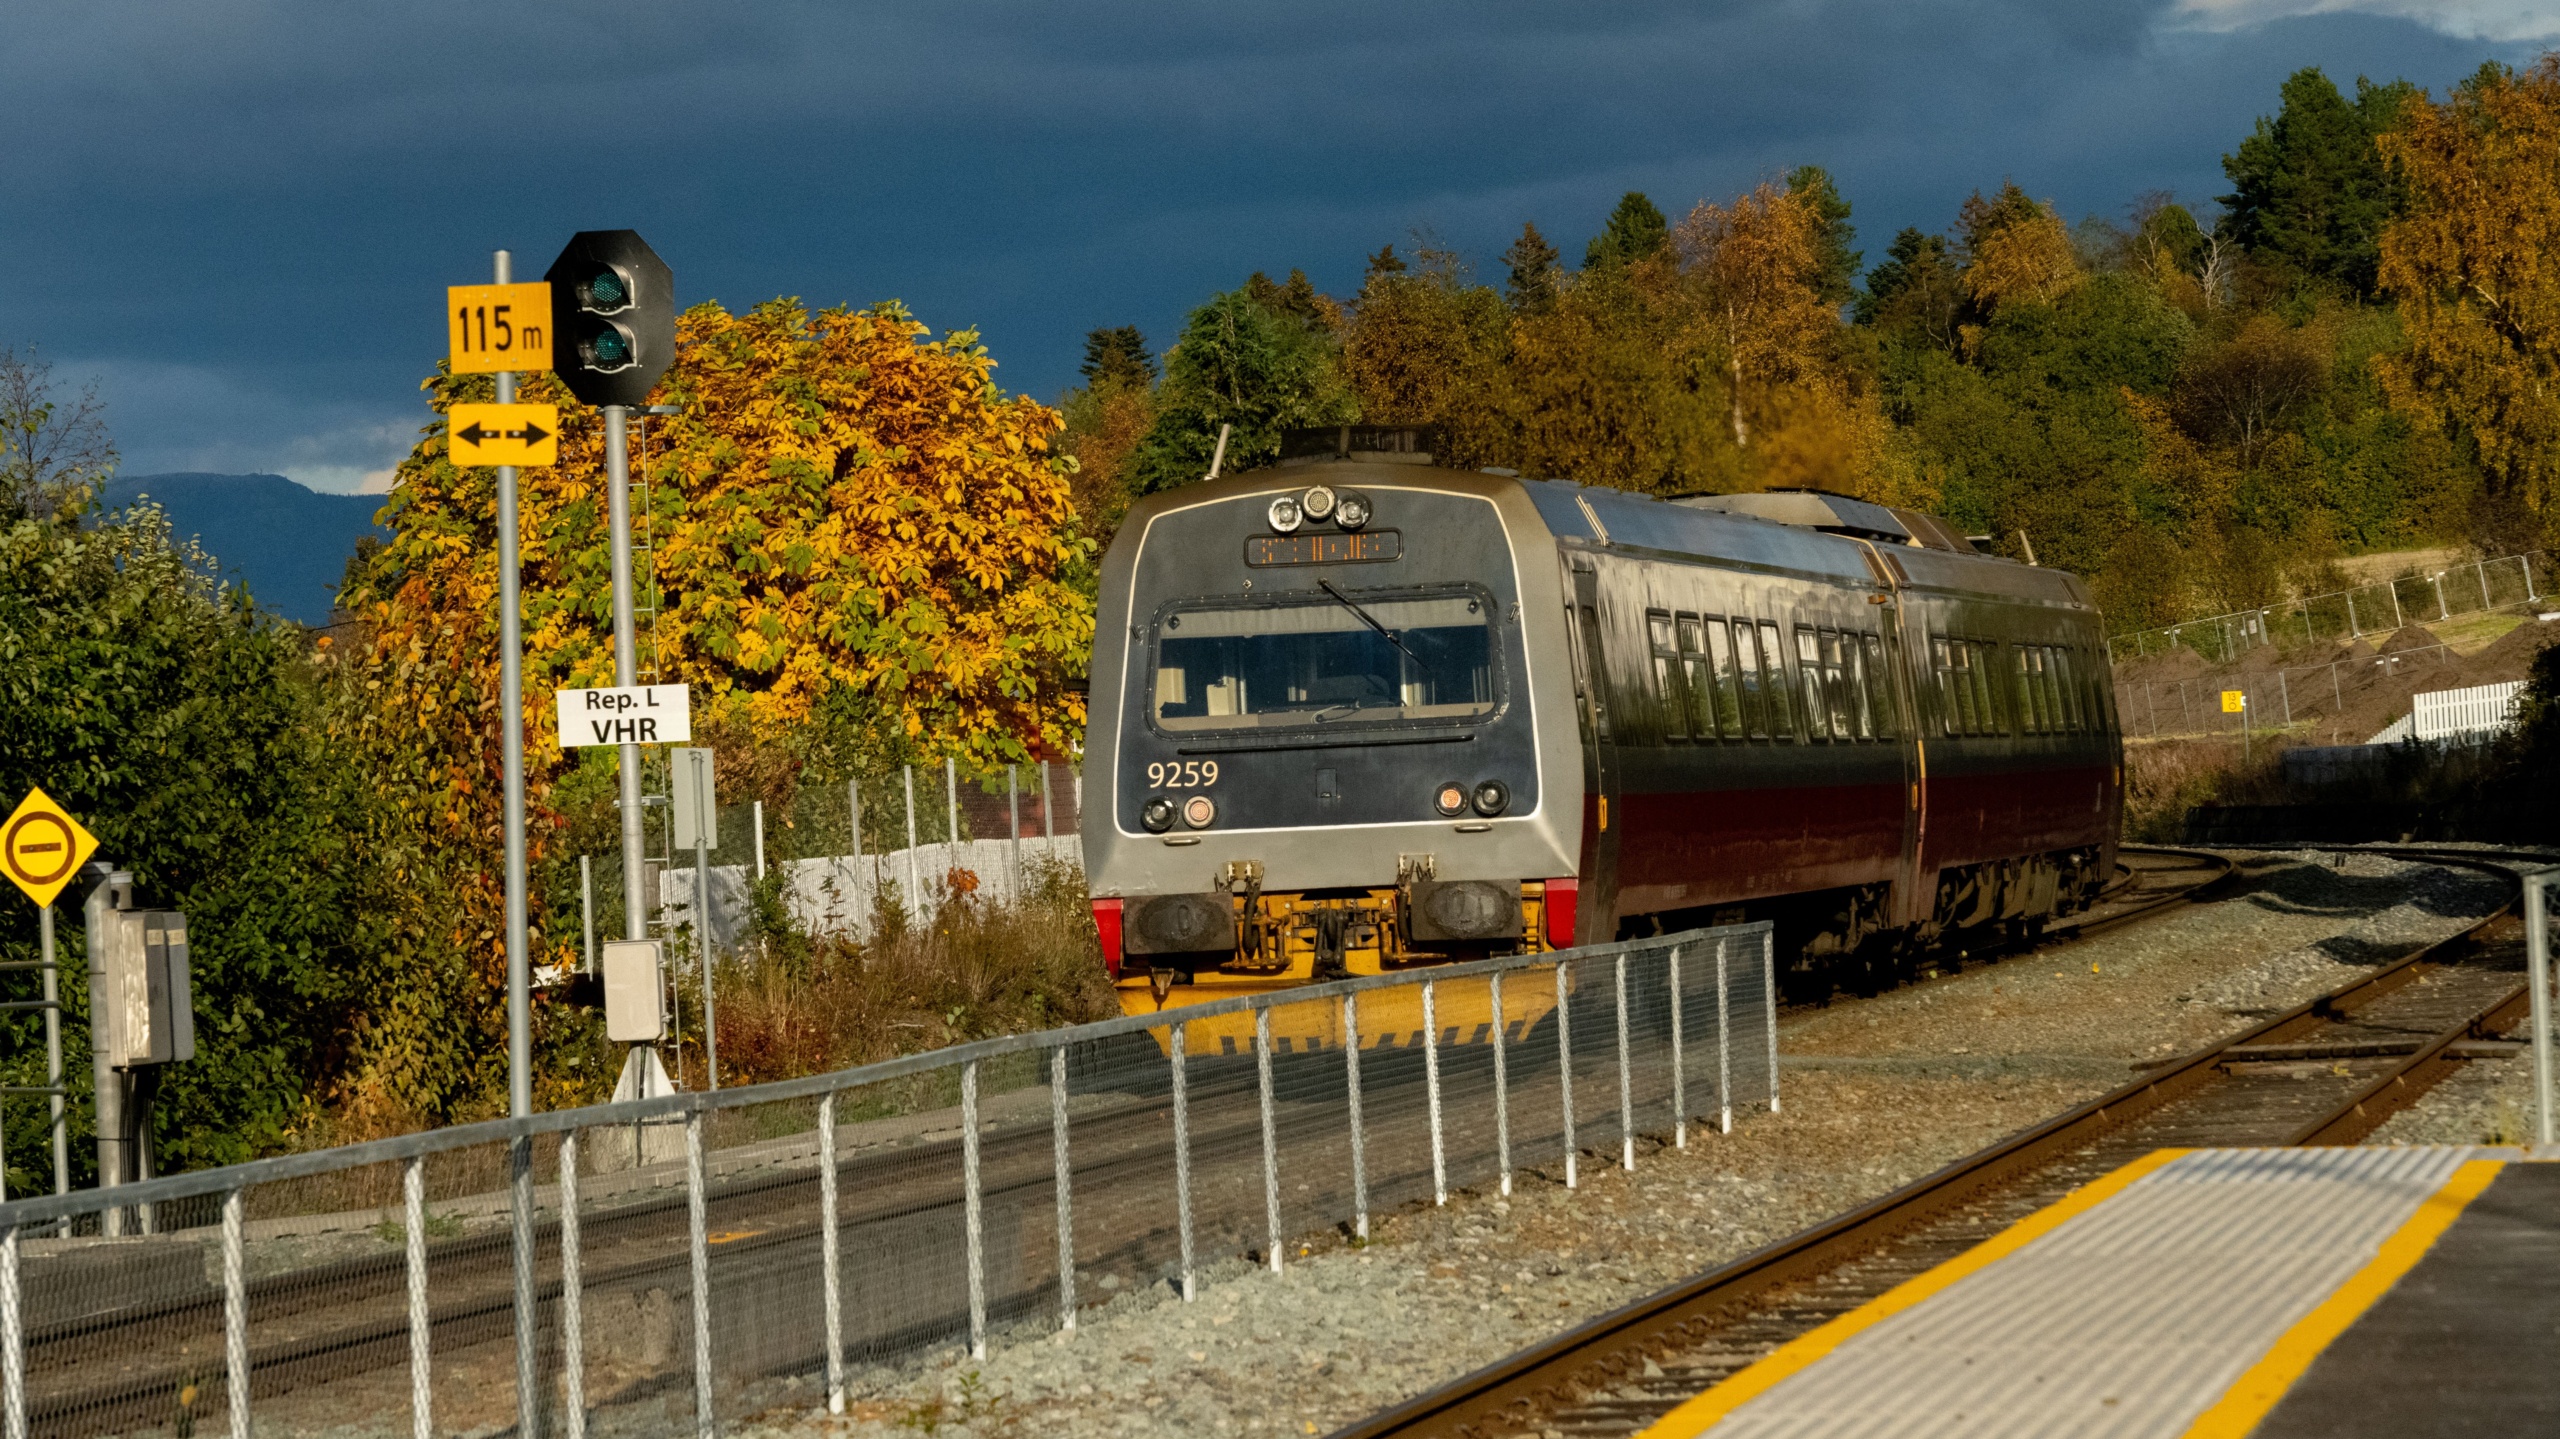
column 1182, row 774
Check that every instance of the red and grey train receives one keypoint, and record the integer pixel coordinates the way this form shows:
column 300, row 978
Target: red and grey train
column 1357, row 712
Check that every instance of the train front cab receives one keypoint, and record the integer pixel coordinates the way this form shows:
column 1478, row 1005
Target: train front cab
column 1318, row 728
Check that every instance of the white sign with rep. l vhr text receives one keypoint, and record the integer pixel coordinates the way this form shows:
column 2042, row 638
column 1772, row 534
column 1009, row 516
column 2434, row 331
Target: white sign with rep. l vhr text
column 626, row 714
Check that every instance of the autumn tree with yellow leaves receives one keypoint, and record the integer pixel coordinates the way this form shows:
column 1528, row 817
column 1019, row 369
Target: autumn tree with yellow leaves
column 2475, row 267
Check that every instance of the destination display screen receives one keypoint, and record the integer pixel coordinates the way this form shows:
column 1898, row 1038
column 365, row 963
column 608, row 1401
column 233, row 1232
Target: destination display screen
column 1323, row 549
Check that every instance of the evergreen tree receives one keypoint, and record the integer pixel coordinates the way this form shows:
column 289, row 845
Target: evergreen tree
column 1117, row 357
column 2309, row 188
column 1386, row 262
column 1263, row 359
column 1533, row 270
column 1636, row 230
column 1837, row 275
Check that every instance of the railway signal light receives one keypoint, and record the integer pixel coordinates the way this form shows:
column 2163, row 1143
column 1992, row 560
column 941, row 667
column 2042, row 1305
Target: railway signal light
column 613, row 303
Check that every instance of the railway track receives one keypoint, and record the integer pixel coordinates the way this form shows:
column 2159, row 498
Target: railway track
column 2325, row 1072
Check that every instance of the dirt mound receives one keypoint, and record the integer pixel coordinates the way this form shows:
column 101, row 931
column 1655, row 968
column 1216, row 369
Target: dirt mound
column 2410, row 637
column 2510, row 656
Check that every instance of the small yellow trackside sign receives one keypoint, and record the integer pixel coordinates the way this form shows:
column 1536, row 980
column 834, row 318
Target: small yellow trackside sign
column 42, row 847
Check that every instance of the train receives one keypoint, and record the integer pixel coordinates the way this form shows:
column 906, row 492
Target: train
column 1359, row 711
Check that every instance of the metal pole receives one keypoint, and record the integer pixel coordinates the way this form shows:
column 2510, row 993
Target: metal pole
column 703, row 796
column 573, row 1296
column 2335, row 693
column 698, row 1243
column 1359, row 1145
column 587, row 908
column 1679, row 1061
column 2284, row 692
column 519, row 957
column 235, row 1318
column 520, row 1224
column 1013, row 823
column 1564, row 1069
column 1724, row 1045
column 53, row 1058
column 853, row 817
column 108, row 1085
column 830, row 1253
column 1769, row 1006
column 2442, row 611
column 951, row 818
column 2480, row 569
column 1048, row 815
column 1064, row 1173
column 2355, row 628
column 1182, row 1159
column 1431, row 1091
column 1501, row 1091
column 2398, row 621
column 759, row 824
column 2525, row 563
column 2537, row 951
column 1270, row 1134
column 626, row 658
column 973, row 1208
column 1626, row 1080
column 413, row 1197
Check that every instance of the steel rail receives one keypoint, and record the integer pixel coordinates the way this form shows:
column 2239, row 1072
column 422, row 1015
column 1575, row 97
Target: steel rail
column 1513, row 1392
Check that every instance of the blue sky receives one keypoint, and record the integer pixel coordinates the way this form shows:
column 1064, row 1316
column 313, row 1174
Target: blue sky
column 237, row 218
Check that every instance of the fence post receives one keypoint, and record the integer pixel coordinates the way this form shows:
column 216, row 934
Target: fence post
column 1769, row 1006
column 1182, row 1158
column 573, row 1297
column 1501, row 1092
column 1270, row 1133
column 413, row 1196
column 1564, row 1069
column 1013, row 823
column 2480, row 569
column 1066, row 1202
column 1679, row 1061
column 1431, row 1092
column 915, row 884
column 698, row 1244
column 2398, row 621
column 973, row 1204
column 13, row 1358
column 759, row 831
column 2443, row 612
column 587, row 908
column 1626, row 1079
column 528, row 1312
column 2537, row 951
column 1048, row 813
column 853, row 861
column 1724, row 1045
column 2284, row 691
column 235, row 1317
column 1351, row 1083
column 951, row 812
column 830, row 1251
column 2355, row 628
column 2525, row 563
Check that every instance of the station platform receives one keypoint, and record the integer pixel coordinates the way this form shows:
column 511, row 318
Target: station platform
column 2282, row 1293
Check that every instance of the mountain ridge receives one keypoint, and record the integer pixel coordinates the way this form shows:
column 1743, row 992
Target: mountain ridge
column 288, row 543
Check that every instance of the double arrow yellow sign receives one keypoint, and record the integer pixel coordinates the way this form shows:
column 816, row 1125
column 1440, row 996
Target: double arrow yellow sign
column 524, row 435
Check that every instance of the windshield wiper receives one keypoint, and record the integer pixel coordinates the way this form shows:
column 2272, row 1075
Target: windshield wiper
column 1371, row 621
column 1354, row 707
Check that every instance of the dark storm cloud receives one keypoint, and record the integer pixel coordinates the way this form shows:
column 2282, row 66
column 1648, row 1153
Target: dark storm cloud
column 238, row 216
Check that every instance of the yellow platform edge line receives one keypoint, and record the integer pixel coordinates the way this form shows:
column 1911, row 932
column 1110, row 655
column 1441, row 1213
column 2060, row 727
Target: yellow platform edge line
column 1708, row 1409
column 2256, row 1392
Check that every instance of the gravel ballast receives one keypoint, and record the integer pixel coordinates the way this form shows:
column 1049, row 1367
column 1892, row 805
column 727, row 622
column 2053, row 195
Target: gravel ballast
column 1878, row 1092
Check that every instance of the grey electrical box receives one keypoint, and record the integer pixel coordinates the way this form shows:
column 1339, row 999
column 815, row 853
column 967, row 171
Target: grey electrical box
column 697, row 801
column 148, row 1016
column 634, row 982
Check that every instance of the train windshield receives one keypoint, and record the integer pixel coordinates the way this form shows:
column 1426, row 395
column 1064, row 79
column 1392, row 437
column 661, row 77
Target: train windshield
column 1338, row 659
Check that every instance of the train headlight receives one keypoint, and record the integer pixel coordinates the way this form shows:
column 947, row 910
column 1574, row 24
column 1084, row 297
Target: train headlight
column 1157, row 813
column 1492, row 798
column 1317, row 502
column 1285, row 515
column 1451, row 799
column 1200, row 811
column 1352, row 510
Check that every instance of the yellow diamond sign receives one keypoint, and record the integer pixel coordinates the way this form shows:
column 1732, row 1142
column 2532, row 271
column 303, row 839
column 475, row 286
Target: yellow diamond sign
column 42, row 847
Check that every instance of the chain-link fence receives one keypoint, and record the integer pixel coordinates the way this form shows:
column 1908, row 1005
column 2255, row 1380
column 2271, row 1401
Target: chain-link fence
column 675, row 1264
column 2380, row 608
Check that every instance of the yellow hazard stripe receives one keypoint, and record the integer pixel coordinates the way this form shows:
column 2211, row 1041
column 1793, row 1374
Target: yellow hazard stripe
column 2256, row 1392
column 1703, row 1412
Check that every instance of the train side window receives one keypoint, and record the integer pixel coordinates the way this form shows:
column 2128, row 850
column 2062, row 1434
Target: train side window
column 1966, row 719
column 1773, row 672
column 1809, row 664
column 1986, row 691
column 1667, row 683
column 1701, row 681
column 1728, row 680
column 1878, row 685
column 1841, row 684
column 1755, row 705
column 2074, row 711
column 2030, row 691
column 1942, row 663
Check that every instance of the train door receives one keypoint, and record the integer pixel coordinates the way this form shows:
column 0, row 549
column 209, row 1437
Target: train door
column 1597, row 921
column 1914, row 893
